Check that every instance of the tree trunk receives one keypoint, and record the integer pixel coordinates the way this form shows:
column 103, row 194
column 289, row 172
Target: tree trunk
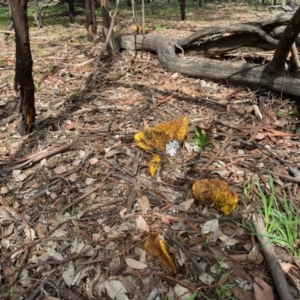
column 23, row 71
column 182, row 9
column 91, row 25
column 38, row 14
column 71, row 11
column 106, row 20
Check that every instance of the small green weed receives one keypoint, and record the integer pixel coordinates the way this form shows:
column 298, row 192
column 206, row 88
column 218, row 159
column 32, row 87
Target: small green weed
column 281, row 219
column 201, row 139
column 224, row 291
column 74, row 97
column 159, row 27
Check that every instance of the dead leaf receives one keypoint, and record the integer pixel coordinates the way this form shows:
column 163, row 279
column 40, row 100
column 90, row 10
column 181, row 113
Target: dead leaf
column 110, row 232
column 134, row 264
column 93, row 161
column 156, row 247
column 115, row 290
column 60, row 170
column 10, row 274
column 18, row 175
column 286, row 267
column 260, row 136
column 255, row 256
column 187, row 204
column 73, row 177
column 69, row 274
column 262, row 290
column 240, row 293
column 206, row 278
column 181, row 292
column 212, row 226
column 142, row 224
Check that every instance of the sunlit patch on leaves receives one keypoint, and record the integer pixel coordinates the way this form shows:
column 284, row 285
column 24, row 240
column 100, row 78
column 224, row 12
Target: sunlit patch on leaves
column 215, row 192
column 165, row 138
column 156, row 247
column 201, row 139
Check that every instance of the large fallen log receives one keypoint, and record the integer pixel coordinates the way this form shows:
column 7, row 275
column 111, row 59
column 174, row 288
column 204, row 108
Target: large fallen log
column 216, row 41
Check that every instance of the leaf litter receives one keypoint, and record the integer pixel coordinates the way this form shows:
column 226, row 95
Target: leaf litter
column 78, row 202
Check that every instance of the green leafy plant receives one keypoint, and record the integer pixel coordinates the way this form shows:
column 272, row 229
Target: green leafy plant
column 224, row 291
column 201, row 139
column 159, row 27
column 74, row 97
column 281, row 219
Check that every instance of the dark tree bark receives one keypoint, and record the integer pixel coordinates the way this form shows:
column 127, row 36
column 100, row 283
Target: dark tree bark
column 182, row 9
column 91, row 25
column 23, row 72
column 71, row 11
column 217, row 40
column 106, row 20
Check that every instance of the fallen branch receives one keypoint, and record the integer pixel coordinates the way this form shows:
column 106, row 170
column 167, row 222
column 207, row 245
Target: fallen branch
column 277, row 273
column 37, row 157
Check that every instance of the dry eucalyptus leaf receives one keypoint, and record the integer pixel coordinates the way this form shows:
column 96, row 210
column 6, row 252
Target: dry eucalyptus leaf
column 206, row 278
column 115, row 290
column 135, row 264
column 93, row 161
column 18, row 175
column 142, row 224
column 60, row 170
column 181, row 292
column 187, row 204
column 68, row 274
column 73, row 177
column 30, row 233
column 255, row 256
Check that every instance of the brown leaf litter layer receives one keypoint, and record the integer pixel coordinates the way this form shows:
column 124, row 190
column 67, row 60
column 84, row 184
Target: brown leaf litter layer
column 77, row 200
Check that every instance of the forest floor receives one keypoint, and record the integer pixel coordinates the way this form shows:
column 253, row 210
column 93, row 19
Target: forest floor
column 77, row 201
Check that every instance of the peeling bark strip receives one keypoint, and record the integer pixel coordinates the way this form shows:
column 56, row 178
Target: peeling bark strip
column 23, row 71
column 215, row 40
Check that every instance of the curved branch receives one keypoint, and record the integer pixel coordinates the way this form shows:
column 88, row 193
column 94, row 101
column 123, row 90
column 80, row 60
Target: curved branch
column 234, row 28
column 285, row 43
